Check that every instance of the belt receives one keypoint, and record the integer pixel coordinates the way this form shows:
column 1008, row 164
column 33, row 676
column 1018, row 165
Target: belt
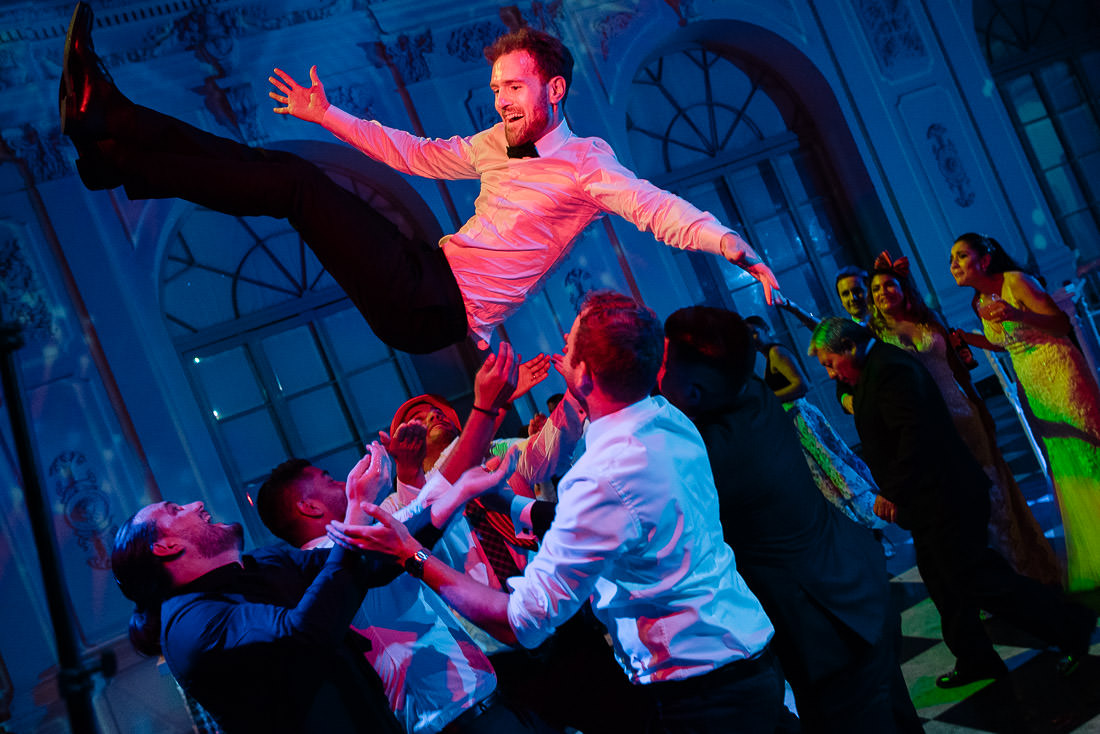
column 728, row 673
column 467, row 717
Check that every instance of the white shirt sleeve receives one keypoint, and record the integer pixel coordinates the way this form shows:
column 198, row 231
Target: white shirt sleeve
column 669, row 218
column 429, row 157
column 545, row 452
column 591, row 529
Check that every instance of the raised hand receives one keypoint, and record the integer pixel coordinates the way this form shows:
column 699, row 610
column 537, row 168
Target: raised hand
column 531, row 373
column 496, row 380
column 385, row 536
column 407, row 446
column 370, row 479
column 305, row 103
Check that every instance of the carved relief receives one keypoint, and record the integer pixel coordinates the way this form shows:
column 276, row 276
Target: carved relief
column 41, row 153
column 479, row 106
column 892, row 34
column 468, row 42
column 951, row 165
column 408, row 55
column 357, row 100
column 22, row 298
column 610, row 27
column 546, row 16
column 87, row 507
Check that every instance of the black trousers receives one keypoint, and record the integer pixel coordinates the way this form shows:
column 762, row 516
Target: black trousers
column 403, row 287
column 964, row 575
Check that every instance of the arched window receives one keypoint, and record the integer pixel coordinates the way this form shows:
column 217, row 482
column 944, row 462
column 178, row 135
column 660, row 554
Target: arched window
column 727, row 135
column 281, row 364
column 1045, row 59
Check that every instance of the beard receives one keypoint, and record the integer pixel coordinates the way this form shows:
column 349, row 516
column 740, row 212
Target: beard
column 216, row 539
column 534, row 124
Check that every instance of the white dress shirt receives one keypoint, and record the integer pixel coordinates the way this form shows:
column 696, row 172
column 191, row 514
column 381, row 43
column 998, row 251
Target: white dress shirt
column 637, row 529
column 529, row 210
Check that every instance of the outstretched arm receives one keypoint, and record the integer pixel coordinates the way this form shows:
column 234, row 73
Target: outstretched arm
column 738, row 252
column 305, row 103
column 482, row 605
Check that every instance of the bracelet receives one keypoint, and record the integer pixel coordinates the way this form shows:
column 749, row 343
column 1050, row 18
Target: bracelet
column 486, row 411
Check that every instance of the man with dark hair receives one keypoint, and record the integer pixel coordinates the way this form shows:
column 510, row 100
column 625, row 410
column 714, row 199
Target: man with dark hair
column 637, row 530
column 541, row 186
column 433, row 674
column 262, row 640
column 820, row 577
column 931, row 485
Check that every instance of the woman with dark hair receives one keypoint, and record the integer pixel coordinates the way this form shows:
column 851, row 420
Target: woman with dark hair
column 899, row 316
column 1062, row 398
column 840, row 475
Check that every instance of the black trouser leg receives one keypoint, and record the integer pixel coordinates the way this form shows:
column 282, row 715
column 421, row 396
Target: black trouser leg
column 404, row 288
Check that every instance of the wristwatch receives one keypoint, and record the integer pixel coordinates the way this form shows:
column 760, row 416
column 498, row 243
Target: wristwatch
column 414, row 564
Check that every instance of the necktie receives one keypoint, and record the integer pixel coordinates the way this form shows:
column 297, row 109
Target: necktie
column 525, row 150
column 492, row 541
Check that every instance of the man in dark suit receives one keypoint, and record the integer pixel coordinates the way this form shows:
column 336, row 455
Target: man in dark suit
column 930, row 484
column 820, row 577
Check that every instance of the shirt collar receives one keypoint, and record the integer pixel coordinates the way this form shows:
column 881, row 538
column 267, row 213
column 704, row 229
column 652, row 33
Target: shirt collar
column 628, row 415
column 549, row 143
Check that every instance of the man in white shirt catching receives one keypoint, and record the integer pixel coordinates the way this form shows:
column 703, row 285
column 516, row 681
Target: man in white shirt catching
column 637, row 530
column 416, row 297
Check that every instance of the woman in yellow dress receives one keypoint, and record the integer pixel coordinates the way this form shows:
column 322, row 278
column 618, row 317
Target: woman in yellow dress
column 1062, row 396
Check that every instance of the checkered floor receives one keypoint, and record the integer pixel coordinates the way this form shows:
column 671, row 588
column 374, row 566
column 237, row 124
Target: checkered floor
column 1034, row 698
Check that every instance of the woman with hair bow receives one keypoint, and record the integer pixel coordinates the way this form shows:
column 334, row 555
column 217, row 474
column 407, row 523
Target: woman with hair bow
column 1062, row 397
column 899, row 316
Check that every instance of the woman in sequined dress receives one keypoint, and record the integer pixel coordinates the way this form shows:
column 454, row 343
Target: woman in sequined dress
column 1063, row 400
column 899, row 316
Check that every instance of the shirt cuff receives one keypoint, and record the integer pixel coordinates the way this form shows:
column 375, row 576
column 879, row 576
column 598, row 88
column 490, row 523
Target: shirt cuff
column 710, row 237
column 435, row 486
column 336, row 119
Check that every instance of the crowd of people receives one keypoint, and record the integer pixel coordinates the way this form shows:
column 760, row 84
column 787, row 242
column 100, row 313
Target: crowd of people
column 675, row 542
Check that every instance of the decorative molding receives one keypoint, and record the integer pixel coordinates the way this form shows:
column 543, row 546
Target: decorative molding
column 41, row 153
column 482, row 113
column 409, row 56
column 22, row 297
column 468, row 42
column 893, row 36
column 951, row 165
column 357, row 100
column 87, row 507
column 610, row 27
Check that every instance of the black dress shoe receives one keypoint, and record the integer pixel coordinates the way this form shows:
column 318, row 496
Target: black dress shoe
column 86, row 87
column 957, row 678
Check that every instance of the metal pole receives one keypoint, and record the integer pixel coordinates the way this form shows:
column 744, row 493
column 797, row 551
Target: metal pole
column 74, row 679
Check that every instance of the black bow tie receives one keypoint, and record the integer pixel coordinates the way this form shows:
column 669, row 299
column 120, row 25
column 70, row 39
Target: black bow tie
column 526, row 150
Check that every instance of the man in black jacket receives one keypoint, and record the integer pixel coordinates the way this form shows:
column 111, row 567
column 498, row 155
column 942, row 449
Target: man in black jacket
column 820, row 577
column 930, row 484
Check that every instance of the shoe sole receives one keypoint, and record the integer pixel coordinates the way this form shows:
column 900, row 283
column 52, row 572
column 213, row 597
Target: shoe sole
column 79, row 11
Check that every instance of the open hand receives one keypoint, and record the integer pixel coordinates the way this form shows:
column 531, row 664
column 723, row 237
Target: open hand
column 531, row 373
column 371, row 478
column 305, row 103
column 496, row 380
column 385, row 536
